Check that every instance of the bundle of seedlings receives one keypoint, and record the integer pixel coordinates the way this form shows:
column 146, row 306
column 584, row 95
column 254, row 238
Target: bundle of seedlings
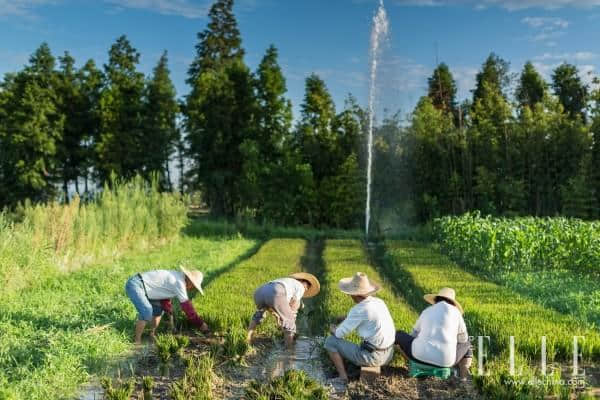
column 117, row 390
column 293, row 385
column 168, row 346
column 197, row 382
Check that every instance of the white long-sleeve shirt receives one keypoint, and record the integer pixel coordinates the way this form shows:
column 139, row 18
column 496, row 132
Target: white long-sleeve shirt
column 293, row 288
column 165, row 284
column 372, row 321
column 439, row 328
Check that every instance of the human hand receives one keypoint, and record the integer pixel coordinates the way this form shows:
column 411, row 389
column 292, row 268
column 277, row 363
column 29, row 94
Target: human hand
column 332, row 328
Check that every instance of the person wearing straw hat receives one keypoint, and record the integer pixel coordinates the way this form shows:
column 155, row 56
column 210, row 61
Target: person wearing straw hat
column 283, row 298
column 151, row 293
column 439, row 337
column 371, row 319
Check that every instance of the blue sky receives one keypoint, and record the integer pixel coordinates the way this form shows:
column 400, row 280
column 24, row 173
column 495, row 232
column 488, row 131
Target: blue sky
column 329, row 37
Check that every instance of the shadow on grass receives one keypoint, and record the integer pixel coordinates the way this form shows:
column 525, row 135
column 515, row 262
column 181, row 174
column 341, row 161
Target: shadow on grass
column 315, row 313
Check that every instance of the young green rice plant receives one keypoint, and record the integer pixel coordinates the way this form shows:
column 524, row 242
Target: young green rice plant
column 293, row 385
column 117, row 389
column 147, row 387
column 197, row 382
column 235, row 345
column 497, row 312
column 490, row 309
column 167, row 347
column 229, row 300
column 344, row 258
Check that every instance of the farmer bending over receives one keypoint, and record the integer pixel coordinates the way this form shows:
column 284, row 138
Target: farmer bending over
column 283, row 298
column 439, row 337
column 372, row 321
column 151, row 293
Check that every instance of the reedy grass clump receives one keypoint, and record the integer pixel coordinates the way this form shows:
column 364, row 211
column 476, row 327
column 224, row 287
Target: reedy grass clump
column 56, row 237
column 293, row 385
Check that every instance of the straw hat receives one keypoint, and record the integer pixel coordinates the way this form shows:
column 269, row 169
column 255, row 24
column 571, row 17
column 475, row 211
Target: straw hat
column 358, row 285
column 448, row 294
column 314, row 287
column 195, row 277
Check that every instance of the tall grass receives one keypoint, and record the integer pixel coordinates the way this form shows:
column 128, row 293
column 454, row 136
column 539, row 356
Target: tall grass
column 54, row 237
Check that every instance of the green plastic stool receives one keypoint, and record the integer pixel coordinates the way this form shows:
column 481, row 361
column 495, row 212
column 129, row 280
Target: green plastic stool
column 418, row 370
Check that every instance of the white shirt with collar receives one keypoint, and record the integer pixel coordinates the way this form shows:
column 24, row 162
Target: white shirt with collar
column 438, row 330
column 294, row 289
column 372, row 321
column 165, row 284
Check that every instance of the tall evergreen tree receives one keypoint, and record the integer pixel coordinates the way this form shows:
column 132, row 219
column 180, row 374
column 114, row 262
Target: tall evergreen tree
column 495, row 73
column 314, row 134
column 219, row 43
column 570, row 90
column 219, row 110
column 532, row 87
column 120, row 148
column 442, row 89
column 30, row 129
column 160, row 128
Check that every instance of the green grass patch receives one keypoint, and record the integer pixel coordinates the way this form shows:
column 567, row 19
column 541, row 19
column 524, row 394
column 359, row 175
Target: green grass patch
column 344, row 258
column 490, row 309
column 58, row 331
column 229, row 301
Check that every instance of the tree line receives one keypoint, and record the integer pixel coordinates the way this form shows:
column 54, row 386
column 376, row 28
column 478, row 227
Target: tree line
column 531, row 150
column 520, row 146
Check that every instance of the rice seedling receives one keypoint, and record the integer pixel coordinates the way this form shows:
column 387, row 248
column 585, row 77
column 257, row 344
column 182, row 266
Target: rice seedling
column 117, row 389
column 147, row 387
column 490, row 309
column 168, row 346
column 293, row 385
column 343, row 258
column 197, row 381
column 228, row 303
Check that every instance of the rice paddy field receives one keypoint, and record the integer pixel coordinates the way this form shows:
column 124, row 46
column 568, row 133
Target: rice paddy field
column 72, row 329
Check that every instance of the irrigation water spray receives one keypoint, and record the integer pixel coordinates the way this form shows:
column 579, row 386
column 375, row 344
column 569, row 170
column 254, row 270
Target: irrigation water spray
column 378, row 36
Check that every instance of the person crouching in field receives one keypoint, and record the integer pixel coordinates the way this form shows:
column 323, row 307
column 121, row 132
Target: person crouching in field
column 283, row 298
column 371, row 319
column 439, row 337
column 151, row 293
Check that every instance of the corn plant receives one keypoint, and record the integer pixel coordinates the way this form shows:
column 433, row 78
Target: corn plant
column 147, row 387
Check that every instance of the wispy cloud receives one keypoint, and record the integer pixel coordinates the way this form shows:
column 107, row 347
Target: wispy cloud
column 21, row 8
column 587, row 72
column 546, row 29
column 182, row 8
column 577, row 56
column 507, row 4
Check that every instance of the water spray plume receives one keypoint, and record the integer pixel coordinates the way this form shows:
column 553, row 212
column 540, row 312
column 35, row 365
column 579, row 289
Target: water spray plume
column 379, row 34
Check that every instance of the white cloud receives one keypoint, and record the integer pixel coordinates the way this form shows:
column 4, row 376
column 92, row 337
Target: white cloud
column 587, row 72
column 182, row 8
column 21, row 8
column 578, row 56
column 545, row 22
column 507, row 4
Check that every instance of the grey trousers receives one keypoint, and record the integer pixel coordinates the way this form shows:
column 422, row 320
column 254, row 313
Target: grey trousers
column 272, row 296
column 357, row 355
